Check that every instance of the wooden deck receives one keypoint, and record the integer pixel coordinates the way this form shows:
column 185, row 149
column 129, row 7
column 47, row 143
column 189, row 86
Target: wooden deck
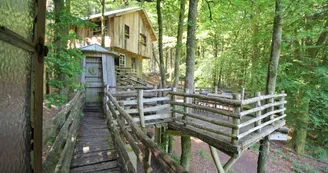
column 94, row 150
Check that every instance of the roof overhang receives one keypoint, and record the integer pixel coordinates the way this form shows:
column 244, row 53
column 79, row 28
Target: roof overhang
column 98, row 49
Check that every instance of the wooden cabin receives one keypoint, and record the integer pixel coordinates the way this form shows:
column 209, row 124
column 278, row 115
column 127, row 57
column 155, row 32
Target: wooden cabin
column 128, row 32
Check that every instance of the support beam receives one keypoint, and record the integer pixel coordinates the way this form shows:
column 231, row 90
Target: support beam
column 216, row 159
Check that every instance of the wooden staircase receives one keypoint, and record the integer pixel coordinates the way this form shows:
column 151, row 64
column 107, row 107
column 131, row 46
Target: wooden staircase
column 127, row 76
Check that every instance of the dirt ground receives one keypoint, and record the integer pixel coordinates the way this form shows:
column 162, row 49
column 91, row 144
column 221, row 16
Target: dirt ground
column 282, row 160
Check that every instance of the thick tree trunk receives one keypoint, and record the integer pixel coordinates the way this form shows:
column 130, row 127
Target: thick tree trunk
column 271, row 80
column 103, row 27
column 178, row 47
column 189, row 81
column 302, row 122
column 160, row 42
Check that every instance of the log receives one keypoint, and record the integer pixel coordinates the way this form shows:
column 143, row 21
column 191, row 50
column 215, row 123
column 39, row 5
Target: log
column 216, row 159
column 206, row 129
column 140, row 108
column 246, row 123
column 197, row 116
column 236, row 121
column 269, row 105
column 132, row 142
column 209, row 109
column 149, row 109
column 211, row 98
column 221, row 144
column 152, row 117
column 54, row 155
column 151, row 100
column 260, row 98
column 260, row 126
column 59, row 119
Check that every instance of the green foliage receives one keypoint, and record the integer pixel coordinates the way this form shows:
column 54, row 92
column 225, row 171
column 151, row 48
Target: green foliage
column 303, row 168
column 256, row 147
column 174, row 157
column 204, row 155
column 63, row 63
column 317, row 152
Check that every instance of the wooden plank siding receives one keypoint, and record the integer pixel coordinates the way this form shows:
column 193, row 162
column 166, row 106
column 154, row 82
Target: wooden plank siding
column 138, row 23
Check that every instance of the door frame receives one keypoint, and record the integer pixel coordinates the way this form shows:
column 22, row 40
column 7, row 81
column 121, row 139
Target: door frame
column 37, row 49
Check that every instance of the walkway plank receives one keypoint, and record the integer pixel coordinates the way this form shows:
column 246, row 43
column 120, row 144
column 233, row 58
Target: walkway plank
column 94, row 150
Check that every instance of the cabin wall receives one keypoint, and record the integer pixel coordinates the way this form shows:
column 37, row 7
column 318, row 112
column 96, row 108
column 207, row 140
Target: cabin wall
column 136, row 27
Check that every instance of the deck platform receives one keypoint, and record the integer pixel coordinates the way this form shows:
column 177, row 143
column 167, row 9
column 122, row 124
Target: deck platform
column 94, row 150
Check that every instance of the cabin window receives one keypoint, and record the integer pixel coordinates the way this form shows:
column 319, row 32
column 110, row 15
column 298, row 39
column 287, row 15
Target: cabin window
column 134, row 64
column 127, row 31
column 97, row 29
column 143, row 39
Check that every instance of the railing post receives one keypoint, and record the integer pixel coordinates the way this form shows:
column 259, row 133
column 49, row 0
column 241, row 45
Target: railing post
column 272, row 107
column 187, row 100
column 172, row 105
column 236, row 121
column 258, row 113
column 140, row 108
column 282, row 99
column 216, row 90
column 242, row 93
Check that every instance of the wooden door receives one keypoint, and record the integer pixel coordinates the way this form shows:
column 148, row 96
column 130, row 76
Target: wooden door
column 93, row 81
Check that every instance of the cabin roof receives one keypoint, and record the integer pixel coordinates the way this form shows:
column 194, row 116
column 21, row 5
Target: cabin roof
column 98, row 49
column 123, row 11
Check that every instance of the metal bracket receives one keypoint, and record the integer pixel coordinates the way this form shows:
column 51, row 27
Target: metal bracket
column 42, row 50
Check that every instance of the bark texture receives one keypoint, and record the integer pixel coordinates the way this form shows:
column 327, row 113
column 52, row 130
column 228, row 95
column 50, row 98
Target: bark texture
column 160, row 42
column 178, row 47
column 271, row 81
column 103, row 23
column 189, row 81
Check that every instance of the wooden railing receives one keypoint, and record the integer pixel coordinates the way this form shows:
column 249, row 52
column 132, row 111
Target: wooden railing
column 145, row 104
column 64, row 131
column 128, row 76
column 141, row 144
column 236, row 121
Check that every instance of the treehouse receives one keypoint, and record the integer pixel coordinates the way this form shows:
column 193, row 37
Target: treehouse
column 128, row 32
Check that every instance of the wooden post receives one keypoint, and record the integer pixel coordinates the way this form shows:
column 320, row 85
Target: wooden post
column 140, row 108
column 216, row 159
column 173, row 114
column 272, row 107
column 236, row 121
column 186, row 109
column 216, row 90
column 282, row 99
column 242, row 93
column 257, row 114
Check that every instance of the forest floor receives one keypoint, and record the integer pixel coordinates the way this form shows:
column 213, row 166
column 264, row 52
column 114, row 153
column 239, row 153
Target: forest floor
column 282, row 159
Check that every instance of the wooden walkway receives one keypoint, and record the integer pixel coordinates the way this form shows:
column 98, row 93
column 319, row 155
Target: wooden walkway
column 94, row 150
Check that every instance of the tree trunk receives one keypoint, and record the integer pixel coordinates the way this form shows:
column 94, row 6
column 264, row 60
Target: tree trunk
column 103, row 27
column 178, row 47
column 255, row 44
column 189, row 81
column 60, row 42
column 271, row 80
column 302, row 122
column 160, row 42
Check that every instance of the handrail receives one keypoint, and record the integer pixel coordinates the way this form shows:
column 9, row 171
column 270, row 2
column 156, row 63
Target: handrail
column 165, row 160
column 68, row 121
